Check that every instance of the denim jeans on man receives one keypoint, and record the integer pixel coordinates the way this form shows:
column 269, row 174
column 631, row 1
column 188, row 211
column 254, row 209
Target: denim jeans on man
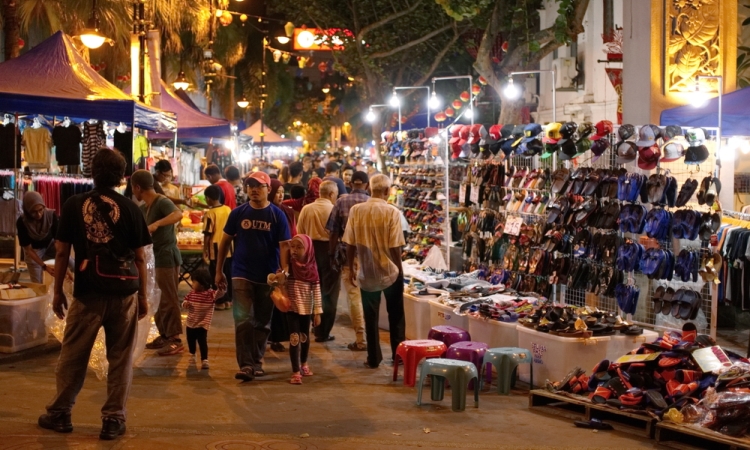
column 252, row 307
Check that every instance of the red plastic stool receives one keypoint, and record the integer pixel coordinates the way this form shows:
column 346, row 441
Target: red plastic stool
column 472, row 352
column 411, row 353
column 448, row 335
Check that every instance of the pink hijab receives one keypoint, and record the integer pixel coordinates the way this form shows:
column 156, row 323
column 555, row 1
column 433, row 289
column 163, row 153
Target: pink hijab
column 307, row 269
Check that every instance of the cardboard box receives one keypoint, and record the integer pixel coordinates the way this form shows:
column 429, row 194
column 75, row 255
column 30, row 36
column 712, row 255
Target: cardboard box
column 28, row 290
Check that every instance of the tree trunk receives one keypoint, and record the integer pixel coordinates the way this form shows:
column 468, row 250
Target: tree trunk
column 510, row 111
column 11, row 29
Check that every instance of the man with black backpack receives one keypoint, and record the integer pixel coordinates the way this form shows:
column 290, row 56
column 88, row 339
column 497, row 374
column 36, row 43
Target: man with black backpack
column 108, row 233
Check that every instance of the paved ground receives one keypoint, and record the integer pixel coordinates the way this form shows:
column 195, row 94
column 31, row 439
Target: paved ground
column 343, row 406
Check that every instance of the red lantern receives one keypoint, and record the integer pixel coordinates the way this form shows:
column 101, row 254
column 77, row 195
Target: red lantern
column 505, row 46
column 322, row 67
column 21, row 43
column 465, row 97
column 449, row 112
column 440, row 117
column 457, row 104
column 476, row 89
column 483, row 81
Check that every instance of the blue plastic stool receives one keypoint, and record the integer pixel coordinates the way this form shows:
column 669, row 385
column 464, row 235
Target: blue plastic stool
column 458, row 373
column 506, row 360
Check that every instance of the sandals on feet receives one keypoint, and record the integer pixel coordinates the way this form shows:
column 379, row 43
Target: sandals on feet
column 306, row 371
column 296, row 379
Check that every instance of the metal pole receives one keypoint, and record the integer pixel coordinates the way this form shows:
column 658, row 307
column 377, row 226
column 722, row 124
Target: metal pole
column 554, row 98
column 263, row 96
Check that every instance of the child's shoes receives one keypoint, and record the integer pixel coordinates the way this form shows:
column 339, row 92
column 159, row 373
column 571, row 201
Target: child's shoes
column 296, row 379
column 204, row 363
column 306, row 371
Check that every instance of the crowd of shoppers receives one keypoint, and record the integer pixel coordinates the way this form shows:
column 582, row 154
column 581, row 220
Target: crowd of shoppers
column 303, row 229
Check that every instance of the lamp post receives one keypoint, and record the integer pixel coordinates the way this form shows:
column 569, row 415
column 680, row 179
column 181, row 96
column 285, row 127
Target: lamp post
column 513, row 92
column 396, row 101
column 371, row 116
column 263, row 94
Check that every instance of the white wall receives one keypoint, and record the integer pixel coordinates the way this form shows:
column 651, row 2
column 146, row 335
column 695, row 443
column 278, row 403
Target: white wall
column 596, row 99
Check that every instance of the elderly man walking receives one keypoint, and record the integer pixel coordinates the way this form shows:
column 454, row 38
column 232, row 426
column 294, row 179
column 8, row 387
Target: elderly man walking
column 373, row 235
column 312, row 222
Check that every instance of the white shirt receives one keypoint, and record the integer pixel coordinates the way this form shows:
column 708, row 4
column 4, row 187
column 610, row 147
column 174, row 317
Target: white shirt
column 313, row 219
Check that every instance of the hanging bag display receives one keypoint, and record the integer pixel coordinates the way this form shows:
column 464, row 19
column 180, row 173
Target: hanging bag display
column 109, row 270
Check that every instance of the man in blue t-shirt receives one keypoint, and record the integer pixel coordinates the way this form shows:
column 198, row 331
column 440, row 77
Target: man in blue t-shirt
column 258, row 229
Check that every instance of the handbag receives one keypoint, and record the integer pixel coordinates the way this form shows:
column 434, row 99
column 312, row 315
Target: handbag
column 279, row 294
column 107, row 270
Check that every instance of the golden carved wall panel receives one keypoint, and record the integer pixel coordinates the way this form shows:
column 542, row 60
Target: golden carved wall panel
column 693, row 43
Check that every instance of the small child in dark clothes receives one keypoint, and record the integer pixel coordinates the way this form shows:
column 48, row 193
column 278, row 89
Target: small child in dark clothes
column 200, row 306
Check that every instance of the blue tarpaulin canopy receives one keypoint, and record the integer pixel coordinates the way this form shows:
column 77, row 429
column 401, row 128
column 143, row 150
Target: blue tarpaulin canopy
column 53, row 79
column 735, row 120
column 191, row 122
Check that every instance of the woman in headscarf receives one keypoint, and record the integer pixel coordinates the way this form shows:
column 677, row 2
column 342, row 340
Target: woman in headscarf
column 313, row 192
column 306, row 305
column 36, row 229
column 279, row 329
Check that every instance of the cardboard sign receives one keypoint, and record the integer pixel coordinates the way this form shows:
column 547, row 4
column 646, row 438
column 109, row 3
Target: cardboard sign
column 513, row 226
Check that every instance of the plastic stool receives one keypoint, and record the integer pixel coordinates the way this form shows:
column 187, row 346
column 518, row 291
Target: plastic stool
column 459, row 373
column 448, row 335
column 411, row 353
column 470, row 351
column 506, row 360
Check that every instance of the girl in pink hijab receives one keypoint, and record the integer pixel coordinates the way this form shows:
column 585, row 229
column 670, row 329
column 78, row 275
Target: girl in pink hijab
column 303, row 288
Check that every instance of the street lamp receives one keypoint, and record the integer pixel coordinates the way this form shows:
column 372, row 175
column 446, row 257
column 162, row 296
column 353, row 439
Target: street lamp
column 90, row 36
column 511, row 90
column 181, row 82
column 371, row 116
column 395, row 102
column 434, row 102
column 243, row 102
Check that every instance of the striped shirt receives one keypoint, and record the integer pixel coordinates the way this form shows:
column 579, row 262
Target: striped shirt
column 200, row 306
column 304, row 297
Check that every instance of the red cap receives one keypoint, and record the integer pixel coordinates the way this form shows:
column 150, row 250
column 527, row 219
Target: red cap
column 474, row 135
column 648, row 157
column 260, row 177
column 603, row 128
column 495, row 132
column 464, row 134
column 431, row 131
column 455, row 130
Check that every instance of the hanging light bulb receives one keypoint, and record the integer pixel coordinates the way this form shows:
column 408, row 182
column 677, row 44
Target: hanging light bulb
column 243, row 103
column 91, row 36
column 282, row 39
column 370, row 117
column 469, row 113
column 326, row 89
column 286, row 57
column 181, row 82
column 511, row 90
column 395, row 102
column 219, row 12
column 276, row 55
column 434, row 102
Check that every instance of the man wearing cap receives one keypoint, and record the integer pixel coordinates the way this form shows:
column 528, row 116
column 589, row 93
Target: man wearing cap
column 258, row 229
column 161, row 215
column 336, row 226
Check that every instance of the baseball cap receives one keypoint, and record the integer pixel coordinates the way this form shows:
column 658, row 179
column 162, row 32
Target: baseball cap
column 517, row 135
column 260, row 177
column 431, row 132
column 533, row 147
column 531, row 131
column 671, row 131
column 626, row 131
column 475, row 133
column 582, row 146
column 626, row 152
column 672, row 150
column 549, row 149
column 567, row 131
column 455, row 130
column 552, row 133
column 495, row 132
column 648, row 135
column 696, row 154
column 385, row 136
column 585, row 130
column 568, row 149
column 648, row 157
column 463, row 134
column 695, row 136
column 598, row 147
column 603, row 129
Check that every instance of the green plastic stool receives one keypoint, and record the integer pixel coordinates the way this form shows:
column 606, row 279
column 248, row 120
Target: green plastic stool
column 506, row 360
column 458, row 373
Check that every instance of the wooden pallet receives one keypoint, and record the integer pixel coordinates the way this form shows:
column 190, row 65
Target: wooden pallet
column 685, row 437
column 578, row 407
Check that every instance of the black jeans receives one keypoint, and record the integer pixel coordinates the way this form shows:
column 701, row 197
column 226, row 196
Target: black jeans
column 330, row 286
column 299, row 338
column 394, row 303
column 199, row 335
column 227, row 273
column 252, row 307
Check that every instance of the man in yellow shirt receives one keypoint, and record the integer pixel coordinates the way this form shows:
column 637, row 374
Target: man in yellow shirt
column 214, row 220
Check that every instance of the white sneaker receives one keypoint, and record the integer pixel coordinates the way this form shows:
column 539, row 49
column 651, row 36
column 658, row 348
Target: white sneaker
column 204, row 364
column 192, row 359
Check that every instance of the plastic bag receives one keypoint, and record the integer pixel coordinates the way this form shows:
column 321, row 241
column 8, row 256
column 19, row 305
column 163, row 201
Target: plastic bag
column 435, row 259
column 146, row 328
